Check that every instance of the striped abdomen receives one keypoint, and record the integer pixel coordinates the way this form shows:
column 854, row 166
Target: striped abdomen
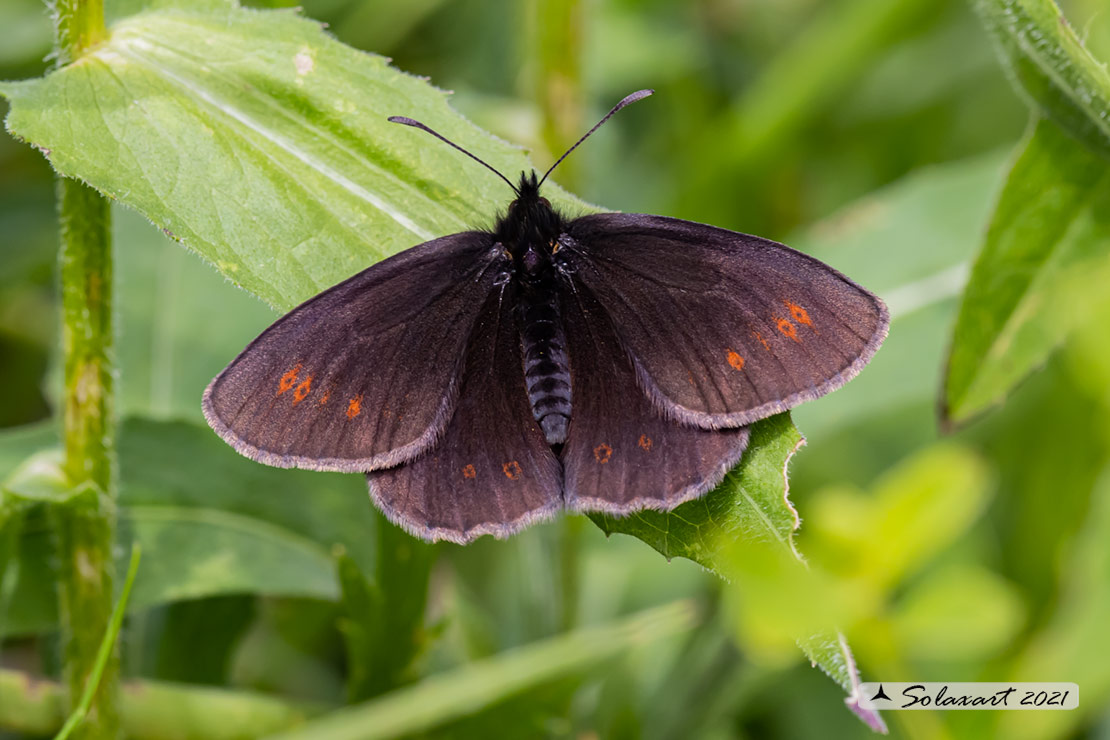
column 546, row 371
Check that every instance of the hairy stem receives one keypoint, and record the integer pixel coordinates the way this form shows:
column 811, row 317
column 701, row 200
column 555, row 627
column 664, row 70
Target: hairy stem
column 84, row 526
column 78, row 26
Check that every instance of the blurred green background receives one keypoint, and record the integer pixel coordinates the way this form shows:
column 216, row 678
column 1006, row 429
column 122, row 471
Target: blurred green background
column 871, row 133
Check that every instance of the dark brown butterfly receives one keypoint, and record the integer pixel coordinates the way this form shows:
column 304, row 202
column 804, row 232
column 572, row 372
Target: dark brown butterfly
column 487, row 379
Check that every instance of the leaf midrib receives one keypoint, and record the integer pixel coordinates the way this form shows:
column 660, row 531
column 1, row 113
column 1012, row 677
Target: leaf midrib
column 123, row 43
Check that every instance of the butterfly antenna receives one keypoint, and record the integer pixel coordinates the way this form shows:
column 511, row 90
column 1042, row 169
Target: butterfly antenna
column 422, row 127
column 628, row 100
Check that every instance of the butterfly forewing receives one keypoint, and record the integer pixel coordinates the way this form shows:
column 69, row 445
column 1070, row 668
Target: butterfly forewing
column 365, row 374
column 723, row 328
column 621, row 454
column 492, row 472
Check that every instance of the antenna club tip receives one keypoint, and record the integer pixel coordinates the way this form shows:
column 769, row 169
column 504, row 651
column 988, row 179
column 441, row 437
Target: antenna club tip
column 400, row 119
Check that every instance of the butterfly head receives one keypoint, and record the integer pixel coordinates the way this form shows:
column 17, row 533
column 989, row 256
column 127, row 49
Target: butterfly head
column 530, row 228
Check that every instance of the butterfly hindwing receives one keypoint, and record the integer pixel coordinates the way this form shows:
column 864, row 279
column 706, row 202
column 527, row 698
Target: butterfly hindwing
column 365, row 374
column 724, row 328
column 492, row 472
column 621, row 453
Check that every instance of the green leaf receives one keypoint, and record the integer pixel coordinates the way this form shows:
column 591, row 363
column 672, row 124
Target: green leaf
column 933, row 219
column 447, row 696
column 401, row 573
column 749, row 503
column 193, row 553
column 209, row 551
column 174, row 464
column 830, row 653
column 744, row 532
column 180, row 322
column 1050, row 65
column 1045, row 258
column 211, row 522
column 870, row 546
column 383, row 622
column 777, row 605
column 262, row 144
column 195, row 641
column 1043, row 267
column 39, row 479
column 362, row 606
column 19, row 443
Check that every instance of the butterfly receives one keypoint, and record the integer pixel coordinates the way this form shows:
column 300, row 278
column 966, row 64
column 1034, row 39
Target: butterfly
column 486, row 380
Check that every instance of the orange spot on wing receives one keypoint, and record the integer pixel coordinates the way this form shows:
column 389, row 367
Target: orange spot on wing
column 800, row 314
column 762, row 341
column 354, row 406
column 787, row 328
column 302, row 390
column 645, row 442
column 289, row 379
column 735, row 360
column 470, row 472
column 324, row 398
column 512, row 469
column 602, row 453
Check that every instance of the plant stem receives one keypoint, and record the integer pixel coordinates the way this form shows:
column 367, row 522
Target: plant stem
column 78, row 26
column 557, row 32
column 84, row 525
column 86, row 277
column 557, row 39
column 104, row 654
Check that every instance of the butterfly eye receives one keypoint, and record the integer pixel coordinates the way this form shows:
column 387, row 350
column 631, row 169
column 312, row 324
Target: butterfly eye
column 545, row 202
